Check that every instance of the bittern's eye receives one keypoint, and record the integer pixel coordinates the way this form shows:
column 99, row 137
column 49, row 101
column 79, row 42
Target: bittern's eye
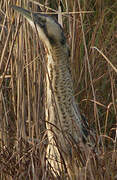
column 63, row 41
column 52, row 41
column 40, row 21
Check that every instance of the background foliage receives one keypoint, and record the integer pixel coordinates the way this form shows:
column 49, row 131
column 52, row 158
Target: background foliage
column 93, row 43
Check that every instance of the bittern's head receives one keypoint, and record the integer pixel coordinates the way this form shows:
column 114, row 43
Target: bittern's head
column 50, row 32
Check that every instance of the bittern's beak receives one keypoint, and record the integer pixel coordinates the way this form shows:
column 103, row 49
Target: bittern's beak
column 27, row 14
column 33, row 18
column 50, row 32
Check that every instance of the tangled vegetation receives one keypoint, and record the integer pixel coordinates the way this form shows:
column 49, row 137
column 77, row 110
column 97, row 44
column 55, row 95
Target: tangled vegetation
column 92, row 38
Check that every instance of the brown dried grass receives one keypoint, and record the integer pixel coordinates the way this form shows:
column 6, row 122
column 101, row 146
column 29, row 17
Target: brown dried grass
column 23, row 137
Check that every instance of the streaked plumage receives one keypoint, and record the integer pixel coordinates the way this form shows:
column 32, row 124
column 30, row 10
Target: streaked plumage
column 63, row 120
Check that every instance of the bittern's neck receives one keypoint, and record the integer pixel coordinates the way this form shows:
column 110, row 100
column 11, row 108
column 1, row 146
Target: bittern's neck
column 59, row 72
column 59, row 55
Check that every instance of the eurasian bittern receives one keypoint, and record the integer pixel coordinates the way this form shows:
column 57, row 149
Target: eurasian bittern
column 63, row 120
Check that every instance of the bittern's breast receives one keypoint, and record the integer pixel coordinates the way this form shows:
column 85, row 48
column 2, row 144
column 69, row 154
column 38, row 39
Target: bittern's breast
column 60, row 93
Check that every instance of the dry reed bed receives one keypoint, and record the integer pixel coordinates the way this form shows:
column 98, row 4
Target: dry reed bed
column 22, row 123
